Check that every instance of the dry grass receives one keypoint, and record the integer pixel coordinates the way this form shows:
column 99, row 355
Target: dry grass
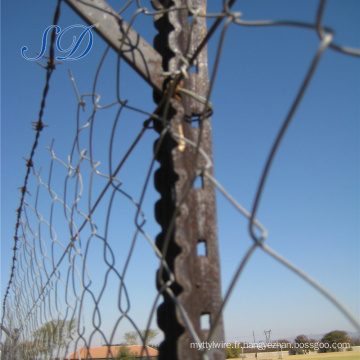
column 346, row 355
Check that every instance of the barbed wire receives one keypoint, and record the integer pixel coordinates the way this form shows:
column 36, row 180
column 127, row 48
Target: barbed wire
column 57, row 274
column 38, row 126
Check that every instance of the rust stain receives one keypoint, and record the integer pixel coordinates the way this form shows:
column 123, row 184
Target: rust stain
column 182, row 143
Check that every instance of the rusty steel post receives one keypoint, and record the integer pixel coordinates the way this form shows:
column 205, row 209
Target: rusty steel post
column 186, row 213
column 122, row 38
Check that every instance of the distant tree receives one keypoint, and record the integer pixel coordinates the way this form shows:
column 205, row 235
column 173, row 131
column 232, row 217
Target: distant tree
column 124, row 354
column 301, row 339
column 233, row 352
column 11, row 348
column 149, row 335
column 133, row 338
column 301, row 343
column 53, row 336
column 333, row 338
column 355, row 341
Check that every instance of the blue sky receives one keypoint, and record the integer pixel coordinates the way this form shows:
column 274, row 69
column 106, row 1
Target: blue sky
column 310, row 205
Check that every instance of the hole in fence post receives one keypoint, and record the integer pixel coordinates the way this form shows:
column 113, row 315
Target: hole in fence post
column 199, row 183
column 193, row 69
column 194, row 120
column 205, row 321
column 190, row 18
column 201, row 248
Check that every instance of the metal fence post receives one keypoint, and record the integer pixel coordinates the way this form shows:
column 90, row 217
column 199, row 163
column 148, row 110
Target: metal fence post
column 187, row 213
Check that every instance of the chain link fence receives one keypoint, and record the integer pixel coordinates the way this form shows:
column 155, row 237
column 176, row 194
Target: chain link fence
column 88, row 263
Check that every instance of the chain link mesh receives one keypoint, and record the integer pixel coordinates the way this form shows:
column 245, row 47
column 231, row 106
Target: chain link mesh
column 81, row 228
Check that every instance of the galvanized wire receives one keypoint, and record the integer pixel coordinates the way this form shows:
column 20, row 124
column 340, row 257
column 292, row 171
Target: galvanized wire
column 54, row 278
